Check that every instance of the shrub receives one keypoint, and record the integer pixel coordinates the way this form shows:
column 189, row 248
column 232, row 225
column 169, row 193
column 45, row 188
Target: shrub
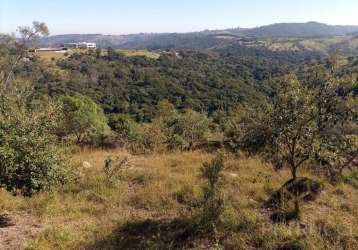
column 113, row 167
column 191, row 128
column 148, row 139
column 83, row 117
column 184, row 131
column 124, row 127
column 30, row 160
column 213, row 203
column 247, row 129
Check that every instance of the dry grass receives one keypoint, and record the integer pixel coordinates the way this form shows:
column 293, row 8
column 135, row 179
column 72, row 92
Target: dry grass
column 132, row 52
column 158, row 194
column 51, row 56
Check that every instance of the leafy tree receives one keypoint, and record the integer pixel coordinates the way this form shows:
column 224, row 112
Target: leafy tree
column 123, row 126
column 30, row 160
column 98, row 53
column 336, row 146
column 186, row 130
column 192, row 127
column 285, row 129
column 111, row 54
column 148, row 139
column 19, row 49
column 165, row 113
column 312, row 118
column 82, row 117
column 292, row 125
column 246, row 128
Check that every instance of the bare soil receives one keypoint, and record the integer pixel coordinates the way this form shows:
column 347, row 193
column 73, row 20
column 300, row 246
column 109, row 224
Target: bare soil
column 15, row 228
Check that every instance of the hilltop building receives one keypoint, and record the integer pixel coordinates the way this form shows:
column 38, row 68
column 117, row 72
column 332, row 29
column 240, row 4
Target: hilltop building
column 81, row 45
column 60, row 49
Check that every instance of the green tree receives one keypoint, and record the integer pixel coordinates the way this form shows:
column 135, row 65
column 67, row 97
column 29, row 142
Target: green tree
column 192, row 127
column 123, row 126
column 30, row 160
column 336, row 146
column 82, row 117
column 292, row 125
column 19, row 49
column 186, row 130
column 312, row 118
column 284, row 128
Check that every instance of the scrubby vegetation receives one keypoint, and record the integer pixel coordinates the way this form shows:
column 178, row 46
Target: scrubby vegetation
column 235, row 149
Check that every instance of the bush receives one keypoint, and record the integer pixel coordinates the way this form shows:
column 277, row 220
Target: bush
column 148, row 139
column 191, row 129
column 184, row 131
column 30, row 160
column 123, row 126
column 113, row 167
column 83, row 117
column 213, row 203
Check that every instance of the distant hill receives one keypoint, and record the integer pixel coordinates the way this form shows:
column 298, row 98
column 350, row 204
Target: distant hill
column 211, row 38
column 310, row 29
column 148, row 41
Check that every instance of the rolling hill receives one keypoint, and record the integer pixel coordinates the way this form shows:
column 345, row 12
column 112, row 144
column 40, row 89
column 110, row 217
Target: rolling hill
column 309, row 29
column 312, row 36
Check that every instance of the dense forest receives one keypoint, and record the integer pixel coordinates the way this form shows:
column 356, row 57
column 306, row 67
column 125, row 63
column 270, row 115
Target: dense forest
column 206, row 81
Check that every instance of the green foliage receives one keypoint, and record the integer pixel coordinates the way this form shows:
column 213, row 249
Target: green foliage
column 18, row 50
column 148, row 139
column 247, row 129
column 213, row 203
column 292, row 125
column 308, row 118
column 123, row 126
column 165, row 114
column 204, row 81
column 185, row 131
column 30, row 160
column 83, row 117
column 336, row 146
column 189, row 130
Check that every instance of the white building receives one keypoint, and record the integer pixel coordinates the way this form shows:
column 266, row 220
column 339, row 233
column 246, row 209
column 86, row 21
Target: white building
column 81, row 45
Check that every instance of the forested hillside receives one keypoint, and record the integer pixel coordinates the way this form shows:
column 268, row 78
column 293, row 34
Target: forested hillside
column 206, row 81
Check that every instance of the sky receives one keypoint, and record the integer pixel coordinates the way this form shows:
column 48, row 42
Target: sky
column 135, row 16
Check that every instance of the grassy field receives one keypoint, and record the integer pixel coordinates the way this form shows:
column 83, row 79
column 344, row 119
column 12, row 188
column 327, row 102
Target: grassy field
column 146, row 53
column 157, row 198
column 53, row 56
column 347, row 44
column 48, row 56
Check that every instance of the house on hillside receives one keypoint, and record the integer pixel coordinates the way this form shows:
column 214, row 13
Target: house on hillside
column 81, row 45
column 61, row 49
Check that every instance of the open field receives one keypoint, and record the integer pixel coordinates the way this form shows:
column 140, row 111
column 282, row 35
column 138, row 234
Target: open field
column 146, row 53
column 53, row 56
column 325, row 45
column 48, row 56
column 157, row 197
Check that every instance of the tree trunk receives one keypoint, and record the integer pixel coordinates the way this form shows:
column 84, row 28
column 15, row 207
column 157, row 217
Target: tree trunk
column 294, row 172
column 297, row 208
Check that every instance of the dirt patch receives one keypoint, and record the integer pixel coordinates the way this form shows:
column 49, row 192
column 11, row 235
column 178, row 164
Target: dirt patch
column 15, row 228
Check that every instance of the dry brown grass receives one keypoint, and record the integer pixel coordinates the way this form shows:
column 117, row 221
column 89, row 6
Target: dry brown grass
column 158, row 190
